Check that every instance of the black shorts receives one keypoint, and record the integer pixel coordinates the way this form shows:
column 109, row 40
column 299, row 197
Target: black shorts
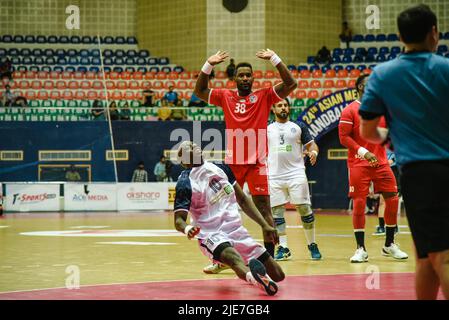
column 425, row 192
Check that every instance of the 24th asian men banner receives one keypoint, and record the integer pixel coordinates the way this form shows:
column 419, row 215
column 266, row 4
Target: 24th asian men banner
column 324, row 115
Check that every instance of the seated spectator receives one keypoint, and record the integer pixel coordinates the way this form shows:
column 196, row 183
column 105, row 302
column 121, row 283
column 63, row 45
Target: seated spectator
column 98, row 110
column 230, row 69
column 125, row 112
column 168, row 168
column 170, row 98
column 72, row 174
column 8, row 97
column 140, row 174
column 20, row 102
column 113, row 112
column 196, row 102
column 178, row 113
column 346, row 34
column 147, row 100
column 6, row 69
column 323, row 56
column 160, row 170
column 164, row 113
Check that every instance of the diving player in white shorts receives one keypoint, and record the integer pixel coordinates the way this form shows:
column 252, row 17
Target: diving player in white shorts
column 287, row 176
column 212, row 196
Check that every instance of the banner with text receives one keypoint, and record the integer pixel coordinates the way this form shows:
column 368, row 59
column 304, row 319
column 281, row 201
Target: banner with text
column 143, row 196
column 32, row 197
column 324, row 115
column 90, row 197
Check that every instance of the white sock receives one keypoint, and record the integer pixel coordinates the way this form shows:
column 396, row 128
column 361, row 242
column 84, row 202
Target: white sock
column 310, row 235
column 283, row 241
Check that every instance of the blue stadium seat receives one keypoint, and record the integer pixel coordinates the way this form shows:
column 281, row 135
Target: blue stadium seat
column 347, row 59
column 73, row 61
column 94, row 69
column 58, row 68
column 119, row 53
column 60, row 53
column 70, row 69
column 72, row 52
column 310, row 59
column 7, row 38
column 166, row 69
column 108, row 40
column 131, row 53
column 34, row 68
column 338, row 67
column 384, row 50
column 370, row 58
column 131, row 61
column 120, row 40
column 75, row 39
column 22, row 69
column 442, row 48
column 119, row 61
column 84, row 53
column 178, row 69
column 15, row 60
column 392, row 37
column 82, row 69
column 49, row 53
column 291, row 67
column 325, row 68
column 358, row 58
column 302, row 67
column 25, row 52
column 62, row 61
column 118, row 69
column 154, row 69
column 152, row 61
column 13, row 52
column 164, row 60
column 348, row 52
column 371, row 66
column 41, row 39
column 27, row 60
column 144, row 53
column 361, row 67
column 314, row 68
column 46, row 68
column 52, row 39
column 349, row 67
column 37, row 52
column 95, row 61
column 446, row 36
column 107, row 61
column 337, row 52
column 370, row 38
column 130, row 69
column 39, row 60
column 95, row 53
column 372, row 51
column 395, row 50
column 357, row 38
column 87, row 40
column 381, row 37
column 50, row 60
column 381, row 58
column 85, row 61
column 142, row 69
column 107, row 69
column 3, row 52
column 18, row 39
column 107, row 53
column 30, row 39
column 336, row 59
column 131, row 40
column 64, row 39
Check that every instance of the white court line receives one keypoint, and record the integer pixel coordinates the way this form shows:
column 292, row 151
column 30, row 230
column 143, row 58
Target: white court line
column 136, row 243
column 1, row 227
column 89, row 227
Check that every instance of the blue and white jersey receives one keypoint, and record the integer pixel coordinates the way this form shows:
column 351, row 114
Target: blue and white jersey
column 207, row 192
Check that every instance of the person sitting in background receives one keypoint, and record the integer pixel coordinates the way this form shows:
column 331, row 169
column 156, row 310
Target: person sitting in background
column 168, row 168
column 170, row 98
column 323, row 56
column 125, row 112
column 147, row 98
column 72, row 175
column 113, row 112
column 196, row 102
column 346, row 34
column 6, row 69
column 98, row 110
column 20, row 102
column 178, row 114
column 230, row 69
column 160, row 170
column 140, row 174
column 8, row 97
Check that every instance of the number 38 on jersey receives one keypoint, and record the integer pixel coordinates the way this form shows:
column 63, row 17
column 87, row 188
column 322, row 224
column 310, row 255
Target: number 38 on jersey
column 240, row 108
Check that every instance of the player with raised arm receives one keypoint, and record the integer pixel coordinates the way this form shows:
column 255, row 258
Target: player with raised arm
column 287, row 176
column 246, row 116
column 211, row 194
column 368, row 162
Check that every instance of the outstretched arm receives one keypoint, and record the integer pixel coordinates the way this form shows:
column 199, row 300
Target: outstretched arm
column 288, row 83
column 202, row 83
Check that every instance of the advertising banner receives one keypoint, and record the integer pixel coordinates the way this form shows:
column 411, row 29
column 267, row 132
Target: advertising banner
column 32, row 197
column 142, row 196
column 90, row 197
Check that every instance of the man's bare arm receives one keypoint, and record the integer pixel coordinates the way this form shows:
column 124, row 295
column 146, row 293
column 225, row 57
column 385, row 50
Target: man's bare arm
column 202, row 83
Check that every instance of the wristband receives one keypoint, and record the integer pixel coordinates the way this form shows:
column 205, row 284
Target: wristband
column 362, row 151
column 315, row 152
column 187, row 229
column 275, row 60
column 207, row 68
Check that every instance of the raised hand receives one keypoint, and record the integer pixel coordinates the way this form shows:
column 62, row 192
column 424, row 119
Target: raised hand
column 217, row 58
column 265, row 54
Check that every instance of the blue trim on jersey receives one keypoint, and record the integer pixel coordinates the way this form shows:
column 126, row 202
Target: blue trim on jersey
column 183, row 196
column 227, row 170
column 305, row 134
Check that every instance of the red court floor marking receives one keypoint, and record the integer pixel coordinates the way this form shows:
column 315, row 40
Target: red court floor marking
column 393, row 286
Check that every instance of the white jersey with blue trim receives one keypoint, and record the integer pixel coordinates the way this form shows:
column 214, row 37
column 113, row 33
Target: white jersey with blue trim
column 285, row 149
column 207, row 192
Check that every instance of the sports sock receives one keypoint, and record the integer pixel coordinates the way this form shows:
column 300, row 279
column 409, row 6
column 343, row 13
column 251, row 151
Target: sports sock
column 389, row 235
column 360, row 239
column 283, row 241
column 382, row 222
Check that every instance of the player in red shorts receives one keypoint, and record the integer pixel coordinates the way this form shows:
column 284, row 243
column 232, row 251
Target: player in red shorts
column 368, row 162
column 246, row 115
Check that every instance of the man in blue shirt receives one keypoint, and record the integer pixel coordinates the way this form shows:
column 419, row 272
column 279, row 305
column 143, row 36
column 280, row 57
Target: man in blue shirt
column 171, row 97
column 412, row 92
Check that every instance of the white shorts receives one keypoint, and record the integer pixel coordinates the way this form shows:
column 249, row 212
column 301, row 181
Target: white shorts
column 239, row 239
column 295, row 191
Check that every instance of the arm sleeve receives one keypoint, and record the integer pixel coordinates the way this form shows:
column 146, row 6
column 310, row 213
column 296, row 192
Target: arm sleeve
column 183, row 196
column 345, row 130
column 305, row 134
column 216, row 97
column 227, row 170
column 372, row 102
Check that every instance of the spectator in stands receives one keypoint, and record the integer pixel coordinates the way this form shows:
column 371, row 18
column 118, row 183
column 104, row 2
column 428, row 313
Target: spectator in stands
column 170, row 98
column 6, row 69
column 230, row 69
column 113, row 112
column 20, row 102
column 196, row 102
column 160, row 170
column 323, row 56
column 125, row 112
column 147, row 100
column 98, row 110
column 9, row 97
column 346, row 34
column 140, row 174
column 168, row 167
column 178, row 113
column 72, row 175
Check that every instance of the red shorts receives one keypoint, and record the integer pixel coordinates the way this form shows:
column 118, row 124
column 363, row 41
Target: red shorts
column 255, row 175
column 360, row 179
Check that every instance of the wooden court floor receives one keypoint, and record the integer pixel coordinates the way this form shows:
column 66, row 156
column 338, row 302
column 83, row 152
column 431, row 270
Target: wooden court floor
column 42, row 250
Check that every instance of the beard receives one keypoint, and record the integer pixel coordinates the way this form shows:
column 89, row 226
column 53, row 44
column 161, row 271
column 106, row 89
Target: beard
column 283, row 115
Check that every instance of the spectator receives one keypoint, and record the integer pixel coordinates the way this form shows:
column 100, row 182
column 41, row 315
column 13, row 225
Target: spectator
column 196, row 102
column 8, row 97
column 160, row 170
column 125, row 112
column 168, row 167
column 113, row 112
column 178, row 113
column 98, row 110
column 140, row 174
column 147, row 98
column 20, row 102
column 323, row 56
column 170, row 98
column 346, row 34
column 5, row 69
column 230, row 69
column 164, row 113
column 72, row 175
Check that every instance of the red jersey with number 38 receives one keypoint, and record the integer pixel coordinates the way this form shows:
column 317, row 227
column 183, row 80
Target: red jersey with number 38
column 246, row 123
column 349, row 132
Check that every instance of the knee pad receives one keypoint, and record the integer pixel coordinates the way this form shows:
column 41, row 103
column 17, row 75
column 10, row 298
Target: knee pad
column 278, row 217
column 307, row 217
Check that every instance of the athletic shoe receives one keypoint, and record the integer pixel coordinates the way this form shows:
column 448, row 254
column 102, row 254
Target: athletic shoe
column 215, row 268
column 314, row 251
column 380, row 231
column 282, row 254
column 359, row 256
column 260, row 275
column 394, row 251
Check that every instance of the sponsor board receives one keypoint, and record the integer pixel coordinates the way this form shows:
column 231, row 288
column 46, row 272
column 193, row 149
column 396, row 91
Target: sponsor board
column 142, row 196
column 90, row 197
column 33, row 197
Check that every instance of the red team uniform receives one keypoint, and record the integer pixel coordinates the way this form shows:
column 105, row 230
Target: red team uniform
column 246, row 121
column 359, row 170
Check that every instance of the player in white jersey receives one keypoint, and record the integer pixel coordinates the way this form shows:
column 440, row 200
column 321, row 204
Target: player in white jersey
column 212, row 196
column 287, row 176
